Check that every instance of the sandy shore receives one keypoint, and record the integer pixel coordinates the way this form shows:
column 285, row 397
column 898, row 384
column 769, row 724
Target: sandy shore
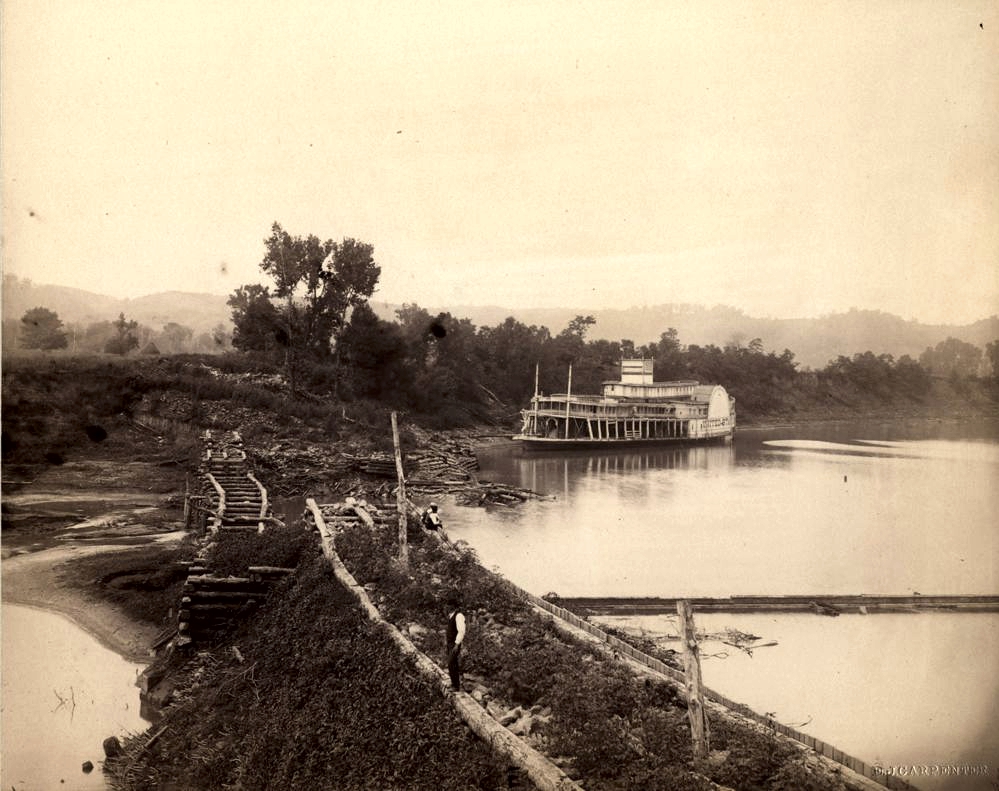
column 33, row 579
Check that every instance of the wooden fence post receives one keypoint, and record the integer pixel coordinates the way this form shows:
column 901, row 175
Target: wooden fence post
column 400, row 496
column 699, row 731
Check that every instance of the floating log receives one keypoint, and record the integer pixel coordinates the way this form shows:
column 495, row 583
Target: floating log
column 850, row 603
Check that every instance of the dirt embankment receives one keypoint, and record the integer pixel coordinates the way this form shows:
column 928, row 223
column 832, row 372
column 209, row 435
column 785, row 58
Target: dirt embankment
column 69, row 528
column 37, row 579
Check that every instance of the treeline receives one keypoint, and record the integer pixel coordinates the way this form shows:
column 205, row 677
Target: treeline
column 444, row 366
column 313, row 323
column 41, row 329
column 317, row 325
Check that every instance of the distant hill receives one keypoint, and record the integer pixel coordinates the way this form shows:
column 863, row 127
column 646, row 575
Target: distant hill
column 200, row 312
column 814, row 341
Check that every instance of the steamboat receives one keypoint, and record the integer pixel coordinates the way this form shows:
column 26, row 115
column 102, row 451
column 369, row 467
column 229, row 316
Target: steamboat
column 635, row 410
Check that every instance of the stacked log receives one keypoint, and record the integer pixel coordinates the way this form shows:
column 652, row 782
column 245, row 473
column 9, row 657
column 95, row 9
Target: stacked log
column 209, row 603
column 238, row 499
column 487, row 493
column 354, row 511
column 233, row 500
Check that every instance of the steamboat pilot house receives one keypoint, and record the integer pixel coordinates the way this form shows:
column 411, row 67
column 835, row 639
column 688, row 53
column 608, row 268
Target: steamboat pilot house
column 634, row 410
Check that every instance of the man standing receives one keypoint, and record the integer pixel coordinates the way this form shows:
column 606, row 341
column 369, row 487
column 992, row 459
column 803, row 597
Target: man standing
column 455, row 636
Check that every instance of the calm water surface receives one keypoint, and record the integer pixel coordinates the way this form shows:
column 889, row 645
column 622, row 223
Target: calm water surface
column 892, row 689
column 892, row 508
column 63, row 694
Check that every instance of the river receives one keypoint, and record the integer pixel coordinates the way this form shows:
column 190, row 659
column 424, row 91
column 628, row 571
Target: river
column 63, row 694
column 891, row 508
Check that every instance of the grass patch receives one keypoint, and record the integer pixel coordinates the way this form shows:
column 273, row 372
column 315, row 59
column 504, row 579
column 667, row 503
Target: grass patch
column 233, row 553
column 144, row 582
column 322, row 700
column 619, row 731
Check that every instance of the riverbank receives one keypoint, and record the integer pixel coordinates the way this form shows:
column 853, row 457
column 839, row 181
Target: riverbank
column 38, row 579
column 76, row 531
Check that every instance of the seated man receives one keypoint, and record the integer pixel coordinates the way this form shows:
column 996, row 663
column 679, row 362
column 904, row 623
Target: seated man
column 432, row 519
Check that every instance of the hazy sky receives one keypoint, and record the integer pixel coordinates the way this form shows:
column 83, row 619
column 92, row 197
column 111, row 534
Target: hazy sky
column 787, row 158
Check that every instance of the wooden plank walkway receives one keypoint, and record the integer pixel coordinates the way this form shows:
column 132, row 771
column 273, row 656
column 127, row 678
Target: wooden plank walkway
column 821, row 605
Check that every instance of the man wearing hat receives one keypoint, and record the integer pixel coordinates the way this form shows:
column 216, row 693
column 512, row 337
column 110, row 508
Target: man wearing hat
column 432, row 519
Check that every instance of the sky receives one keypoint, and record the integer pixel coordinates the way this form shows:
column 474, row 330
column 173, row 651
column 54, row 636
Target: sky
column 790, row 159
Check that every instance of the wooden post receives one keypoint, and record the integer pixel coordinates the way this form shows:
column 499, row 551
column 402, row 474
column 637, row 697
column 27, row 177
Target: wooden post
column 568, row 398
column 400, row 496
column 534, row 401
column 695, row 694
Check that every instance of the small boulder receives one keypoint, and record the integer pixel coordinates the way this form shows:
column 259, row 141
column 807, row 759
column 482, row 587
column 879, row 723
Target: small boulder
column 717, row 758
column 523, row 726
column 112, row 747
column 511, row 716
column 417, row 631
column 88, row 767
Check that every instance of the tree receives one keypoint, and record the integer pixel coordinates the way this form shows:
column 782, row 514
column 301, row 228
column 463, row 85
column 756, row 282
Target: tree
column 221, row 338
column 42, row 329
column 992, row 355
column 319, row 283
column 175, row 338
column 668, row 355
column 445, row 355
column 375, row 355
column 509, row 355
column 572, row 340
column 952, row 358
column 258, row 326
column 95, row 336
column 125, row 338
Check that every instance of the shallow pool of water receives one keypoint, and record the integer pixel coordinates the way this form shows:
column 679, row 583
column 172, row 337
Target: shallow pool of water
column 63, row 694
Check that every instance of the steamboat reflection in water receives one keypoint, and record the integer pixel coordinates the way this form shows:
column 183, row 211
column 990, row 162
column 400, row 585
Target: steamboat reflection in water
column 849, row 508
column 559, row 473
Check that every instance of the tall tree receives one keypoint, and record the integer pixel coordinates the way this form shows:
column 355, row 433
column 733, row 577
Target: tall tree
column 125, row 336
column 992, row 357
column 375, row 355
column 952, row 357
column 41, row 328
column 258, row 327
column 319, row 282
column 95, row 336
column 511, row 353
column 669, row 357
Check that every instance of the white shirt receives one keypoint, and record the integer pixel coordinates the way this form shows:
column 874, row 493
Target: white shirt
column 459, row 625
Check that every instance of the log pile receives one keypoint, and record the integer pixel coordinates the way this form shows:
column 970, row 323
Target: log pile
column 440, row 469
column 353, row 511
column 209, row 603
column 487, row 493
column 231, row 501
